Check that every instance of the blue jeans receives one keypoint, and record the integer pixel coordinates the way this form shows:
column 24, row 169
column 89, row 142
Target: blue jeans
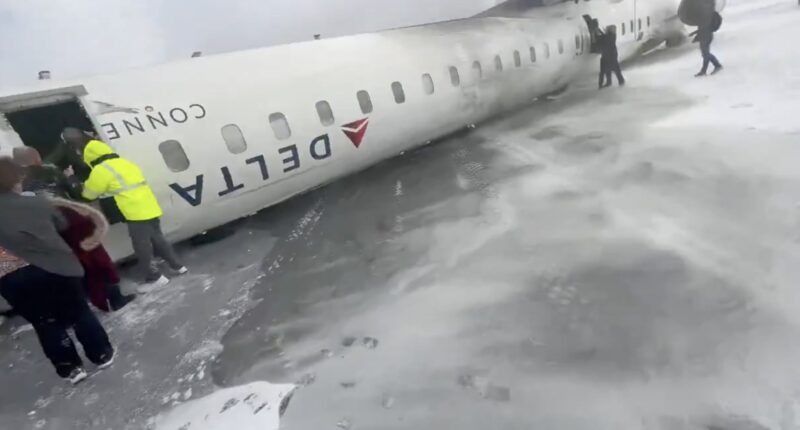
column 708, row 57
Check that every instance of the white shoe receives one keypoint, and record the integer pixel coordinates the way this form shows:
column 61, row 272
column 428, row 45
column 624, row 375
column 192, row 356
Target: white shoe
column 77, row 375
column 182, row 271
column 108, row 361
column 150, row 286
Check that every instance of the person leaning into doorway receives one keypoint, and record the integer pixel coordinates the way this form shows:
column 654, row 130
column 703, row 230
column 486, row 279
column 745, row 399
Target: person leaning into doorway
column 40, row 178
column 40, row 277
column 115, row 176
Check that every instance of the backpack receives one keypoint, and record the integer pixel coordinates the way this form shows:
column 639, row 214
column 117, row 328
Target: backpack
column 716, row 22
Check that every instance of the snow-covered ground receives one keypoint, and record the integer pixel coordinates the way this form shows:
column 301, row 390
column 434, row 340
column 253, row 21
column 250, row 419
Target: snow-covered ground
column 623, row 259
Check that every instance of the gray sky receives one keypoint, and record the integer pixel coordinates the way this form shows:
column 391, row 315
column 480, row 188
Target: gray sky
column 83, row 37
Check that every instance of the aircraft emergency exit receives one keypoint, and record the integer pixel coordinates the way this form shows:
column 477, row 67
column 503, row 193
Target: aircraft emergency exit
column 224, row 136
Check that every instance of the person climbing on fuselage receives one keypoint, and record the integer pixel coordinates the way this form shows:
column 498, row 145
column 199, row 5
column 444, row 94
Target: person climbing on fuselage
column 609, row 57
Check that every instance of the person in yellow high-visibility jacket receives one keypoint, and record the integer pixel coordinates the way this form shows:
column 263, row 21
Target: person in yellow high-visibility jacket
column 114, row 176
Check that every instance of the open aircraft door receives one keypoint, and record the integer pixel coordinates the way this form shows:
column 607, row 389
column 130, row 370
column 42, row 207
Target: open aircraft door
column 37, row 118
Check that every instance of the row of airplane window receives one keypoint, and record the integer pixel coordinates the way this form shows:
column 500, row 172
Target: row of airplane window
column 633, row 27
column 176, row 159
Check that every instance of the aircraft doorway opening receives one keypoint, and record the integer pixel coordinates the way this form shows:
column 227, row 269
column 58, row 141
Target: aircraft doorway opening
column 40, row 127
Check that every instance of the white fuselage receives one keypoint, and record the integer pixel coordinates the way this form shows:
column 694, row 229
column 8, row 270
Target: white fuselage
column 231, row 175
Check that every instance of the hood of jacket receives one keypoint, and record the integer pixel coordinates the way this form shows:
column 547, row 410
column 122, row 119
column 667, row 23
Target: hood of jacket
column 96, row 217
column 94, row 150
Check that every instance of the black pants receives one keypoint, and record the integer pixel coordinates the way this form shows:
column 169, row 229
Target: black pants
column 607, row 67
column 708, row 57
column 52, row 304
column 147, row 239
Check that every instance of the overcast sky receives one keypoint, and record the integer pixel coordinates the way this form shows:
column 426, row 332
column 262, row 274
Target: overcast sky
column 83, row 37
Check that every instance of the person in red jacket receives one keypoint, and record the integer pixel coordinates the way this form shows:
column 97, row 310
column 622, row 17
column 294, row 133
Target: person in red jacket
column 87, row 227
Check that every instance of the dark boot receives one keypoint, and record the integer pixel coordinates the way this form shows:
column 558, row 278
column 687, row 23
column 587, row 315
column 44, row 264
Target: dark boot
column 116, row 299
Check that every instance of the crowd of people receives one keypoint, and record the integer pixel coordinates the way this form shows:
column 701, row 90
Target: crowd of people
column 52, row 259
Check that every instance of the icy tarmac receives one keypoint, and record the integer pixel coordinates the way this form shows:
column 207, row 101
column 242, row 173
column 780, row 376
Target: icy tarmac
column 624, row 259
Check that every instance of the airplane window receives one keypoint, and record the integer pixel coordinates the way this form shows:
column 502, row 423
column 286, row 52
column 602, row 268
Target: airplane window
column 174, row 155
column 280, row 126
column 427, row 84
column 234, row 139
column 498, row 63
column 455, row 79
column 477, row 71
column 399, row 94
column 648, row 21
column 325, row 113
column 517, row 59
column 633, row 27
column 533, row 54
column 364, row 101
column 640, row 24
column 560, row 46
column 546, row 50
column 577, row 43
column 623, row 28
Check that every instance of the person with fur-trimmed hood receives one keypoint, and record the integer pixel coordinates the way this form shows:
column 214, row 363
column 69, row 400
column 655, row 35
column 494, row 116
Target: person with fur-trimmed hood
column 86, row 229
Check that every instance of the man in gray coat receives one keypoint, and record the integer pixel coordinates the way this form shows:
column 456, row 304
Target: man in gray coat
column 46, row 287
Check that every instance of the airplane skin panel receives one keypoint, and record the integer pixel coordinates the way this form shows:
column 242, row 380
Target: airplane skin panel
column 382, row 94
column 518, row 7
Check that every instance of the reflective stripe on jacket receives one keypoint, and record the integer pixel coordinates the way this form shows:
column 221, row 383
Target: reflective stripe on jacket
column 113, row 176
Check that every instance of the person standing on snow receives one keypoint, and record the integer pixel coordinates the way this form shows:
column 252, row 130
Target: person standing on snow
column 115, row 176
column 84, row 234
column 609, row 57
column 42, row 279
column 705, row 36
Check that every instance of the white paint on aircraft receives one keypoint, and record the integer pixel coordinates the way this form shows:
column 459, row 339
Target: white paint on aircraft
column 246, row 130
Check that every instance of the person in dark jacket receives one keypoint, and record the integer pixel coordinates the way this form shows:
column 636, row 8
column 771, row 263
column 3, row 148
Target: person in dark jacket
column 84, row 234
column 47, row 292
column 39, row 177
column 609, row 57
